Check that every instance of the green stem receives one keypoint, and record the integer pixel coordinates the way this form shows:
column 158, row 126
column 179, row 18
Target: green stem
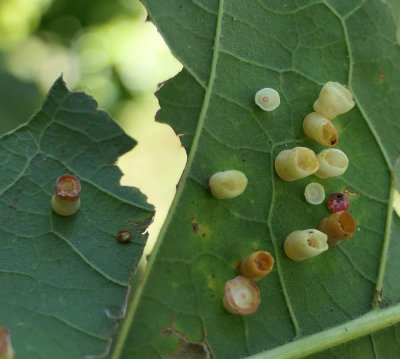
column 386, row 242
column 369, row 323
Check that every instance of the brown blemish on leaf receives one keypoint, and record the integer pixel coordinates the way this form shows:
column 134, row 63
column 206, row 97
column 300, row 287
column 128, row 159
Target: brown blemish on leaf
column 123, row 236
column 378, row 298
column 197, row 228
column 382, row 78
column 141, row 226
column 186, row 348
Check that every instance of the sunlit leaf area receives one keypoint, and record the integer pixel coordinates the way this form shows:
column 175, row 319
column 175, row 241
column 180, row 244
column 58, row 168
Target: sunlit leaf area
column 107, row 49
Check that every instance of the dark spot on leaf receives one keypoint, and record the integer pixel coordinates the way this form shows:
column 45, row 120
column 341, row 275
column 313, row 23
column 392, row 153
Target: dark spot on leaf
column 195, row 227
column 123, row 236
column 382, row 78
column 186, row 348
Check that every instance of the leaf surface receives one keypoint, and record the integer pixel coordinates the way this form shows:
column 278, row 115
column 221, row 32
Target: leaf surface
column 230, row 49
column 64, row 280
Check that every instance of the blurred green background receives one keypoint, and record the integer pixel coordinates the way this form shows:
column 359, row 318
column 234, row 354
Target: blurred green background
column 107, row 49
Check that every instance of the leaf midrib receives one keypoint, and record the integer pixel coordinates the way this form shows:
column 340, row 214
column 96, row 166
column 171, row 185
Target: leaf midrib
column 182, row 183
column 389, row 215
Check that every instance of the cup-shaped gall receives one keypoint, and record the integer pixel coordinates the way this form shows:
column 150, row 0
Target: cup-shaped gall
column 334, row 99
column 66, row 197
column 296, row 163
column 314, row 193
column 338, row 226
column 332, row 163
column 6, row 349
column 319, row 129
column 267, row 99
column 227, row 184
column 257, row 265
column 306, row 243
column 241, row 296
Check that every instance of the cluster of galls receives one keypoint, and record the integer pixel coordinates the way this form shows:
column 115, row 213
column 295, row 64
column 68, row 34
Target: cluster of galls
column 299, row 162
column 241, row 295
column 334, row 100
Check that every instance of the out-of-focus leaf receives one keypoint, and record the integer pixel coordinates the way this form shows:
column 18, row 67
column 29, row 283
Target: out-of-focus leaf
column 18, row 101
column 66, row 18
column 64, row 280
column 230, row 49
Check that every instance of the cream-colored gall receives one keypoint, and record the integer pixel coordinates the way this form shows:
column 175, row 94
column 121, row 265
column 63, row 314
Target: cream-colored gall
column 227, row 184
column 332, row 163
column 320, row 129
column 267, row 99
column 66, row 197
column 303, row 244
column 241, row 296
column 296, row 163
column 314, row 193
column 334, row 99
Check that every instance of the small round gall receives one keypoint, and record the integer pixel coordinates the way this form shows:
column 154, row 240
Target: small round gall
column 338, row 202
column 267, row 99
column 66, row 197
column 319, row 129
column 6, row 349
column 332, row 163
column 241, row 296
column 296, row 163
column 338, row 226
column 257, row 265
column 306, row 243
column 334, row 99
column 123, row 236
column 314, row 193
column 227, row 184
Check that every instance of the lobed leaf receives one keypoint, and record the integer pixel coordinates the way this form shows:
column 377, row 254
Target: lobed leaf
column 64, row 280
column 230, row 49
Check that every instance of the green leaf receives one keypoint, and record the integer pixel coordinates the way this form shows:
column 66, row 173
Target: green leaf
column 230, row 49
column 64, row 280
